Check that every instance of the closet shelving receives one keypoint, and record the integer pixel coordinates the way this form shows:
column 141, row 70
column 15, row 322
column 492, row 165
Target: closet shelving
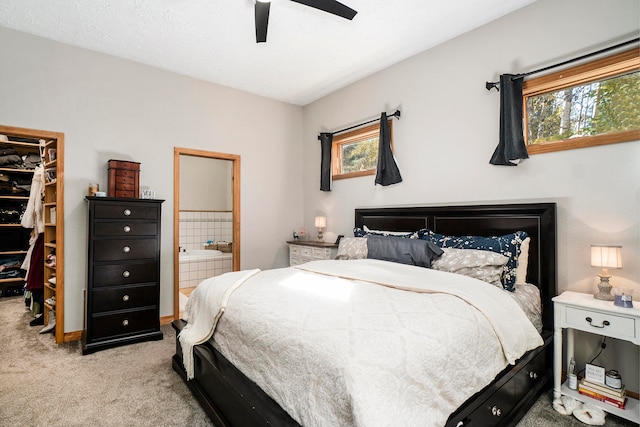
column 15, row 239
column 51, row 150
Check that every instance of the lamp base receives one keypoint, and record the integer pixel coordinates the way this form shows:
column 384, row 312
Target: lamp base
column 320, row 237
column 604, row 289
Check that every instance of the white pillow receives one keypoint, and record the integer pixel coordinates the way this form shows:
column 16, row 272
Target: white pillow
column 523, row 262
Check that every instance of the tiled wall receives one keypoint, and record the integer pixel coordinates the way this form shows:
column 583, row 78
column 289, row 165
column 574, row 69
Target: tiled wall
column 196, row 228
column 194, row 272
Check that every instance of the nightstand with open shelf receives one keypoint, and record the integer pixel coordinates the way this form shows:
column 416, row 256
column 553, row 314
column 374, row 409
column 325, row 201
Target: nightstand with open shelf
column 580, row 311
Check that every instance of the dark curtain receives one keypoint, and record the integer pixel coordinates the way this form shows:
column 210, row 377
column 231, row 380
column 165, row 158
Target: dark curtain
column 387, row 170
column 325, row 166
column 511, row 146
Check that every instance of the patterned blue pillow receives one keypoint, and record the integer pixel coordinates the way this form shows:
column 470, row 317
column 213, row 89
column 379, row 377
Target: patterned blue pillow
column 507, row 245
column 364, row 232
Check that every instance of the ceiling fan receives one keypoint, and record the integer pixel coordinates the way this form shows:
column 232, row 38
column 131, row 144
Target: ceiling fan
column 330, row 6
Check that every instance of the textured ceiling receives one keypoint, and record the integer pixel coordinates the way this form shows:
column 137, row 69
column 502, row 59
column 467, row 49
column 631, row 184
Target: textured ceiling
column 308, row 53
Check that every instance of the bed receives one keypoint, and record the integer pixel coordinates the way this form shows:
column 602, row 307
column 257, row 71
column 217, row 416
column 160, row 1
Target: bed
column 232, row 399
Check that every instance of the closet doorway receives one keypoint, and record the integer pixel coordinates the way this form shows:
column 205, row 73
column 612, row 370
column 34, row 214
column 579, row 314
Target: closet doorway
column 206, row 219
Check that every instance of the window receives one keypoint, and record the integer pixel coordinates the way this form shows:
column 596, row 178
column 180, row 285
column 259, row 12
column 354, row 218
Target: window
column 355, row 153
column 591, row 104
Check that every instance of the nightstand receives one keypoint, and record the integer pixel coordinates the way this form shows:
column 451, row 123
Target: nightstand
column 579, row 311
column 301, row 251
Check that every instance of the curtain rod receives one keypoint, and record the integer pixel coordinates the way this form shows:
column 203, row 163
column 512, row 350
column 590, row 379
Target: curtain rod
column 491, row 85
column 395, row 114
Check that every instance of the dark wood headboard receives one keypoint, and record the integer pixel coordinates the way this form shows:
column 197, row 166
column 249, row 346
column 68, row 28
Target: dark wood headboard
column 537, row 219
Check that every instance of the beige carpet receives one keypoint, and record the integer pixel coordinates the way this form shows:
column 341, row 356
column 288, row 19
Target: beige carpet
column 45, row 384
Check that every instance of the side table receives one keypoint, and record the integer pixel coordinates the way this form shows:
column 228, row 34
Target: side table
column 580, row 311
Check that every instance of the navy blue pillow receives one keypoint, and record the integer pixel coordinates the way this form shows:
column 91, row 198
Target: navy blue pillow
column 404, row 251
column 507, row 245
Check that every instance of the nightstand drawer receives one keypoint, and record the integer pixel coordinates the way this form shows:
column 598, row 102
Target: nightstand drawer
column 593, row 321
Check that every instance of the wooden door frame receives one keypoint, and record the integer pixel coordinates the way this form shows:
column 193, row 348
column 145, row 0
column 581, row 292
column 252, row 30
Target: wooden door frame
column 235, row 178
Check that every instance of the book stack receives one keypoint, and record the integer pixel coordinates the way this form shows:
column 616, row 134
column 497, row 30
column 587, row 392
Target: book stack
column 613, row 396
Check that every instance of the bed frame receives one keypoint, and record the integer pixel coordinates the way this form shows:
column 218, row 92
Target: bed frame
column 231, row 399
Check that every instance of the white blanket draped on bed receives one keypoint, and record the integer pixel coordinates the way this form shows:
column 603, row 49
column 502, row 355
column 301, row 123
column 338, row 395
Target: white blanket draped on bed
column 341, row 352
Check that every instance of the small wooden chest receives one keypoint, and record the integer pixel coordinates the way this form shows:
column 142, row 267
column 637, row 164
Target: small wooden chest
column 124, row 179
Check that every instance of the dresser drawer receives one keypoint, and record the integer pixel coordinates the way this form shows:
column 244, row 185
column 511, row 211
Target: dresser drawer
column 124, row 249
column 121, row 228
column 124, row 273
column 126, row 211
column 294, row 250
column 612, row 325
column 306, row 251
column 124, row 298
column 124, row 323
column 321, row 253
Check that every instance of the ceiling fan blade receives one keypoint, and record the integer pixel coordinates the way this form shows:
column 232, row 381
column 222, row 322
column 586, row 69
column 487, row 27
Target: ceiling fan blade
column 331, row 6
column 262, row 20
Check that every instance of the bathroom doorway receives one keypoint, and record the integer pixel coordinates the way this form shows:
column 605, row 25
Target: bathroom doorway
column 206, row 219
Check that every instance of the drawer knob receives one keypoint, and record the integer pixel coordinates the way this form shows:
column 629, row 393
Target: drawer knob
column 126, row 249
column 126, row 273
column 533, row 375
column 125, row 322
column 127, row 212
column 590, row 320
column 496, row 411
column 127, row 229
column 125, row 298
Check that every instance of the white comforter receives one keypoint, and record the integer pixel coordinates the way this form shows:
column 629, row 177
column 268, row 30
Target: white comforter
column 334, row 351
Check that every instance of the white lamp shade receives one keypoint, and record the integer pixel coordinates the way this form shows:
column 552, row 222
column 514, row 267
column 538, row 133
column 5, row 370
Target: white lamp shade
column 606, row 256
column 321, row 221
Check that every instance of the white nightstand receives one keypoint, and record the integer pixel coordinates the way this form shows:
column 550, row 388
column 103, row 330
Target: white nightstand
column 301, row 251
column 575, row 310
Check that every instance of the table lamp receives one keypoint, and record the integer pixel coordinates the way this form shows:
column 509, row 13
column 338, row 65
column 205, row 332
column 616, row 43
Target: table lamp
column 605, row 257
column 321, row 222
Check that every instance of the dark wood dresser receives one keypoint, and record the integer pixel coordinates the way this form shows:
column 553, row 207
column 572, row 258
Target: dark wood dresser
column 123, row 288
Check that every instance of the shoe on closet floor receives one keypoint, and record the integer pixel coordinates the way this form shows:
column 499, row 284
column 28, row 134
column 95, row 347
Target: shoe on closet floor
column 51, row 325
column 39, row 320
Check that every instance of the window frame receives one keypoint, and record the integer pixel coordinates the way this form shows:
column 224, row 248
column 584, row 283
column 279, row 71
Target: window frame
column 350, row 137
column 611, row 66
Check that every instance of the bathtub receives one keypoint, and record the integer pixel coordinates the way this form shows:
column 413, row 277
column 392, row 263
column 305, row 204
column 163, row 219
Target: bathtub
column 199, row 264
column 199, row 255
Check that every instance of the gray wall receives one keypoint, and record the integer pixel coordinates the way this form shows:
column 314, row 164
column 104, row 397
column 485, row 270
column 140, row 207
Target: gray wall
column 205, row 184
column 109, row 108
column 449, row 129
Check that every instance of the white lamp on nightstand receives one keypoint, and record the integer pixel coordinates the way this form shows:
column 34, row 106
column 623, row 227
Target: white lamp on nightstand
column 605, row 257
column 321, row 222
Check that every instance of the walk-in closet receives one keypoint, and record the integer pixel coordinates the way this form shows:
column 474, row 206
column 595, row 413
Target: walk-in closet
column 32, row 225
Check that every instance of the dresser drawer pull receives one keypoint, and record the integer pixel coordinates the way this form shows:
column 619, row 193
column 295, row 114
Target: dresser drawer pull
column 127, row 229
column 126, row 249
column 126, row 273
column 127, row 212
column 125, row 322
column 125, row 298
column 604, row 323
column 533, row 375
column 496, row 411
